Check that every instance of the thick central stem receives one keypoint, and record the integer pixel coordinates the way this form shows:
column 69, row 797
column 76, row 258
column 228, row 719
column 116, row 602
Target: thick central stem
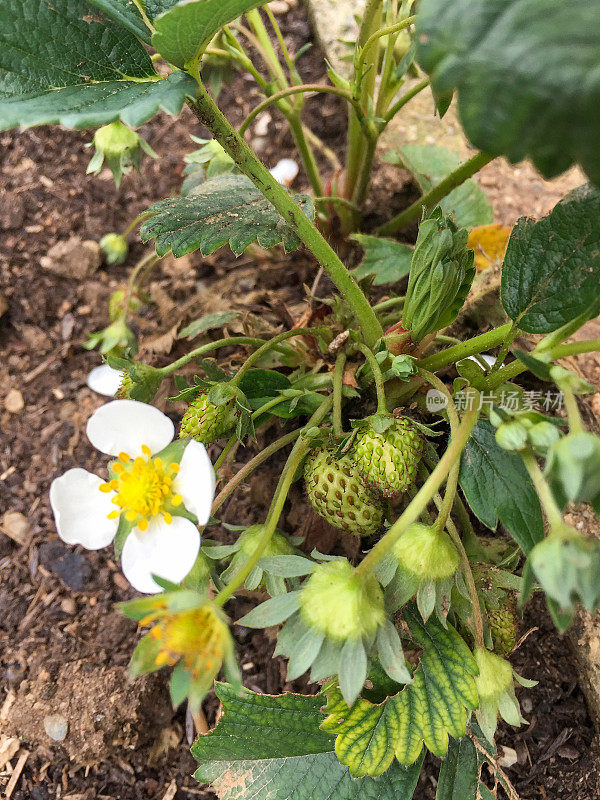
column 211, row 117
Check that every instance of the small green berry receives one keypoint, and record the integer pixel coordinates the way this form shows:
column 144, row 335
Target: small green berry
column 206, row 422
column 388, row 461
column 427, row 553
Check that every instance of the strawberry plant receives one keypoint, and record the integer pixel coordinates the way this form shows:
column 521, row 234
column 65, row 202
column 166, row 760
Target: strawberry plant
column 410, row 641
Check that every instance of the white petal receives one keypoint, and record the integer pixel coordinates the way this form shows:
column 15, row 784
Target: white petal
column 489, row 360
column 196, row 481
column 125, row 425
column 285, row 171
column 105, row 380
column 168, row 551
column 81, row 510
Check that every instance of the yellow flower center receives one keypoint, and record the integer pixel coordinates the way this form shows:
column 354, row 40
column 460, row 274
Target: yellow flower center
column 198, row 637
column 144, row 488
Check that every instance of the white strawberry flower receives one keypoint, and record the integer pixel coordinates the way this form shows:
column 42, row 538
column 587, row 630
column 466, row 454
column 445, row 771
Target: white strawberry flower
column 146, row 491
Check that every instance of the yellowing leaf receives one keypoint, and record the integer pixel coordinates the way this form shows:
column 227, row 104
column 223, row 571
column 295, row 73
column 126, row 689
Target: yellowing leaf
column 427, row 711
column 489, row 243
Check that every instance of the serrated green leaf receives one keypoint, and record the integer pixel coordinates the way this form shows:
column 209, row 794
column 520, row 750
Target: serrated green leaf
column 184, row 30
column 551, row 271
column 526, row 73
column 61, row 62
column 271, row 748
column 427, row 711
column 429, row 164
column 386, row 259
column 459, row 774
column 497, row 486
column 228, row 208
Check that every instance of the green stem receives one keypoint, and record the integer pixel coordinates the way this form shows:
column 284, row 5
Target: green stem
column 248, row 468
column 211, row 117
column 506, row 373
column 402, row 101
column 140, row 218
column 281, row 337
column 393, row 301
column 395, row 28
column 510, row 337
column 255, row 21
column 334, row 199
column 306, row 152
column 431, row 198
column 293, row 72
column 377, row 376
column 478, row 344
column 573, row 414
column 470, row 580
column 225, row 452
column 472, row 543
column 230, row 341
column 338, row 384
column 541, row 486
column 285, row 481
column 575, row 348
column 425, row 493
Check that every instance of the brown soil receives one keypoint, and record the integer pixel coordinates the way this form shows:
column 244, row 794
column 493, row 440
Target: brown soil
column 64, row 648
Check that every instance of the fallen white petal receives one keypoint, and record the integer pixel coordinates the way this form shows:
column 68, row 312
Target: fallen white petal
column 168, row 551
column 285, row 171
column 196, row 481
column 105, row 380
column 489, row 360
column 125, row 425
column 81, row 510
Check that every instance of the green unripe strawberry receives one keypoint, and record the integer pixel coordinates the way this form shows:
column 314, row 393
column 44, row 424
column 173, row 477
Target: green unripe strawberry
column 206, row 422
column 388, row 460
column 503, row 627
column 124, row 390
column 246, row 546
column 114, row 248
column 427, row 553
column 341, row 604
column 336, row 493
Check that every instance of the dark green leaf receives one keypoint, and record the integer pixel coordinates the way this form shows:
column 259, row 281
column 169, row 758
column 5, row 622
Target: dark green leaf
column 551, row 271
column 59, row 64
column 539, row 368
column 459, row 774
column 263, row 383
column 271, row 748
column 184, row 30
column 228, row 208
column 497, row 486
column 123, row 11
column 526, row 73
column 207, row 323
column 386, row 259
column 429, row 164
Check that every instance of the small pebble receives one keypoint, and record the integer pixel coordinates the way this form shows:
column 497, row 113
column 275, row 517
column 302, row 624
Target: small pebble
column 13, row 402
column 16, row 526
column 69, row 606
column 526, row 705
column 56, row 727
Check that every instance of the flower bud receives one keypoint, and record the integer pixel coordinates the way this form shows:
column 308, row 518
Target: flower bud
column 440, row 276
column 114, row 248
column 341, row 604
column 495, row 675
column 573, row 469
column 246, row 546
column 117, row 339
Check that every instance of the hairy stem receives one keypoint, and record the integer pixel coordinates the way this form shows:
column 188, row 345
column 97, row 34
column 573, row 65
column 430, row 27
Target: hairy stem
column 338, row 385
column 431, row 198
column 281, row 337
column 541, row 486
column 209, row 115
column 377, row 376
column 478, row 344
column 248, row 468
column 285, row 481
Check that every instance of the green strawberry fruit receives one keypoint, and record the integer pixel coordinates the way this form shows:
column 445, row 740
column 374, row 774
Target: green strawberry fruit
column 427, row 553
column 206, row 422
column 388, row 461
column 335, row 491
column 503, row 627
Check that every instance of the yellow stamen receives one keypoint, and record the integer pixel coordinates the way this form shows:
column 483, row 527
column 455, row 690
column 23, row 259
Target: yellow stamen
column 167, row 518
column 146, row 450
column 130, row 516
column 161, row 659
column 114, row 514
column 124, row 457
column 174, row 467
column 118, row 468
column 156, row 632
column 176, row 500
column 105, row 488
column 143, row 524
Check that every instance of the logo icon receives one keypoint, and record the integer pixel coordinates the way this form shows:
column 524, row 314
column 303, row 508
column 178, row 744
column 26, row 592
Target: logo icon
column 435, row 401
